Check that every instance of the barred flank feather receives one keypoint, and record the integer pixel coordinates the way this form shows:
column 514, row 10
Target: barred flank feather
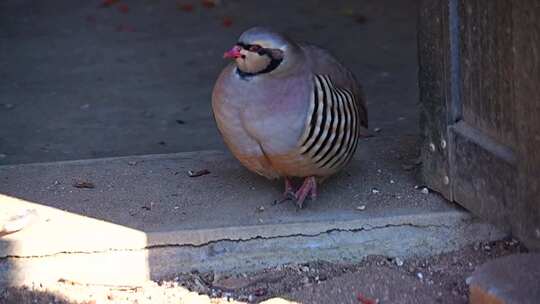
column 332, row 125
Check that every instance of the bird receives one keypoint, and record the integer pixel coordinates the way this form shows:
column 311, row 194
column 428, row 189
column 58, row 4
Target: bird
column 288, row 110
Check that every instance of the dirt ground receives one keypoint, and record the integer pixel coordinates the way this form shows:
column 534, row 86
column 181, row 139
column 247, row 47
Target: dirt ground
column 377, row 279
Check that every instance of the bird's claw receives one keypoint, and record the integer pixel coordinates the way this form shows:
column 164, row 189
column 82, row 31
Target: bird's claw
column 307, row 190
column 287, row 196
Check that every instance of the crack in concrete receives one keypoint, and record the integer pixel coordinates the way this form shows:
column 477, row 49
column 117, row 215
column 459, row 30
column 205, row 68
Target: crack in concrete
column 258, row 237
column 239, row 240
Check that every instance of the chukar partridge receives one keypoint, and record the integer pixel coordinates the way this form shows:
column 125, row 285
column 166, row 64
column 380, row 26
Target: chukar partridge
column 288, row 110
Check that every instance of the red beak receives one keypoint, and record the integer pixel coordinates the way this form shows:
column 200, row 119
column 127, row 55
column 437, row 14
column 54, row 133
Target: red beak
column 233, row 53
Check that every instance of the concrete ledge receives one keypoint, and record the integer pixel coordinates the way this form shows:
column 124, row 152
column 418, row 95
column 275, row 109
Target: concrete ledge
column 146, row 219
column 242, row 249
column 401, row 236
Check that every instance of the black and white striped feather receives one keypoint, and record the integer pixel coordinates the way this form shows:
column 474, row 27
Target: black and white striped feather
column 332, row 125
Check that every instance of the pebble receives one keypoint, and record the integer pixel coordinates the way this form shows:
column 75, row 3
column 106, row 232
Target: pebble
column 375, row 191
column 377, row 130
column 513, row 242
column 468, row 280
column 260, row 209
column 361, row 208
column 398, row 261
column 425, row 190
column 392, row 181
column 420, row 275
column 305, row 280
column 259, row 292
column 304, row 269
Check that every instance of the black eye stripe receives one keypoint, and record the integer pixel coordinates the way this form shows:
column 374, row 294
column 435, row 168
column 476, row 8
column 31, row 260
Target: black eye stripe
column 255, row 48
column 275, row 61
column 261, row 51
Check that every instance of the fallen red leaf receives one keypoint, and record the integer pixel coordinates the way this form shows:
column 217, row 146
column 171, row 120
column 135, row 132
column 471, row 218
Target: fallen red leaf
column 364, row 300
column 124, row 8
column 208, row 3
column 227, row 22
column 125, row 28
column 186, row 7
column 107, row 3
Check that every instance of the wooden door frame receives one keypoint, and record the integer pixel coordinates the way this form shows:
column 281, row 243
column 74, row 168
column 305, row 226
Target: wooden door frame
column 491, row 179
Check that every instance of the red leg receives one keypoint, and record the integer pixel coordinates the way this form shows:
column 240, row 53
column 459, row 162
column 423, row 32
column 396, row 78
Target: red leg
column 308, row 189
column 288, row 188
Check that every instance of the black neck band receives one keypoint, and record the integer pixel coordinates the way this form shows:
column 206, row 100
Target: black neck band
column 274, row 63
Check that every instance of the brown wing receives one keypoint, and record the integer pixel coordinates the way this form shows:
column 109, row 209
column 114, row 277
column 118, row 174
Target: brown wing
column 323, row 63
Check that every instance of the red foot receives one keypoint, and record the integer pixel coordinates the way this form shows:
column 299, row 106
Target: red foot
column 308, row 188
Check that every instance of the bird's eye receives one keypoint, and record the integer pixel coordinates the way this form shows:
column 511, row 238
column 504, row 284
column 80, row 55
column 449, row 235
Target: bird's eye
column 255, row 48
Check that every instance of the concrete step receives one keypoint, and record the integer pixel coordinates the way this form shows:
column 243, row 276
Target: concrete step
column 145, row 218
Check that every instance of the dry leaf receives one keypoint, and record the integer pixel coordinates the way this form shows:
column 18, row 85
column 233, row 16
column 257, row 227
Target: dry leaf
column 108, row 3
column 208, row 3
column 186, row 7
column 192, row 173
column 227, row 22
column 84, row 185
column 124, row 8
